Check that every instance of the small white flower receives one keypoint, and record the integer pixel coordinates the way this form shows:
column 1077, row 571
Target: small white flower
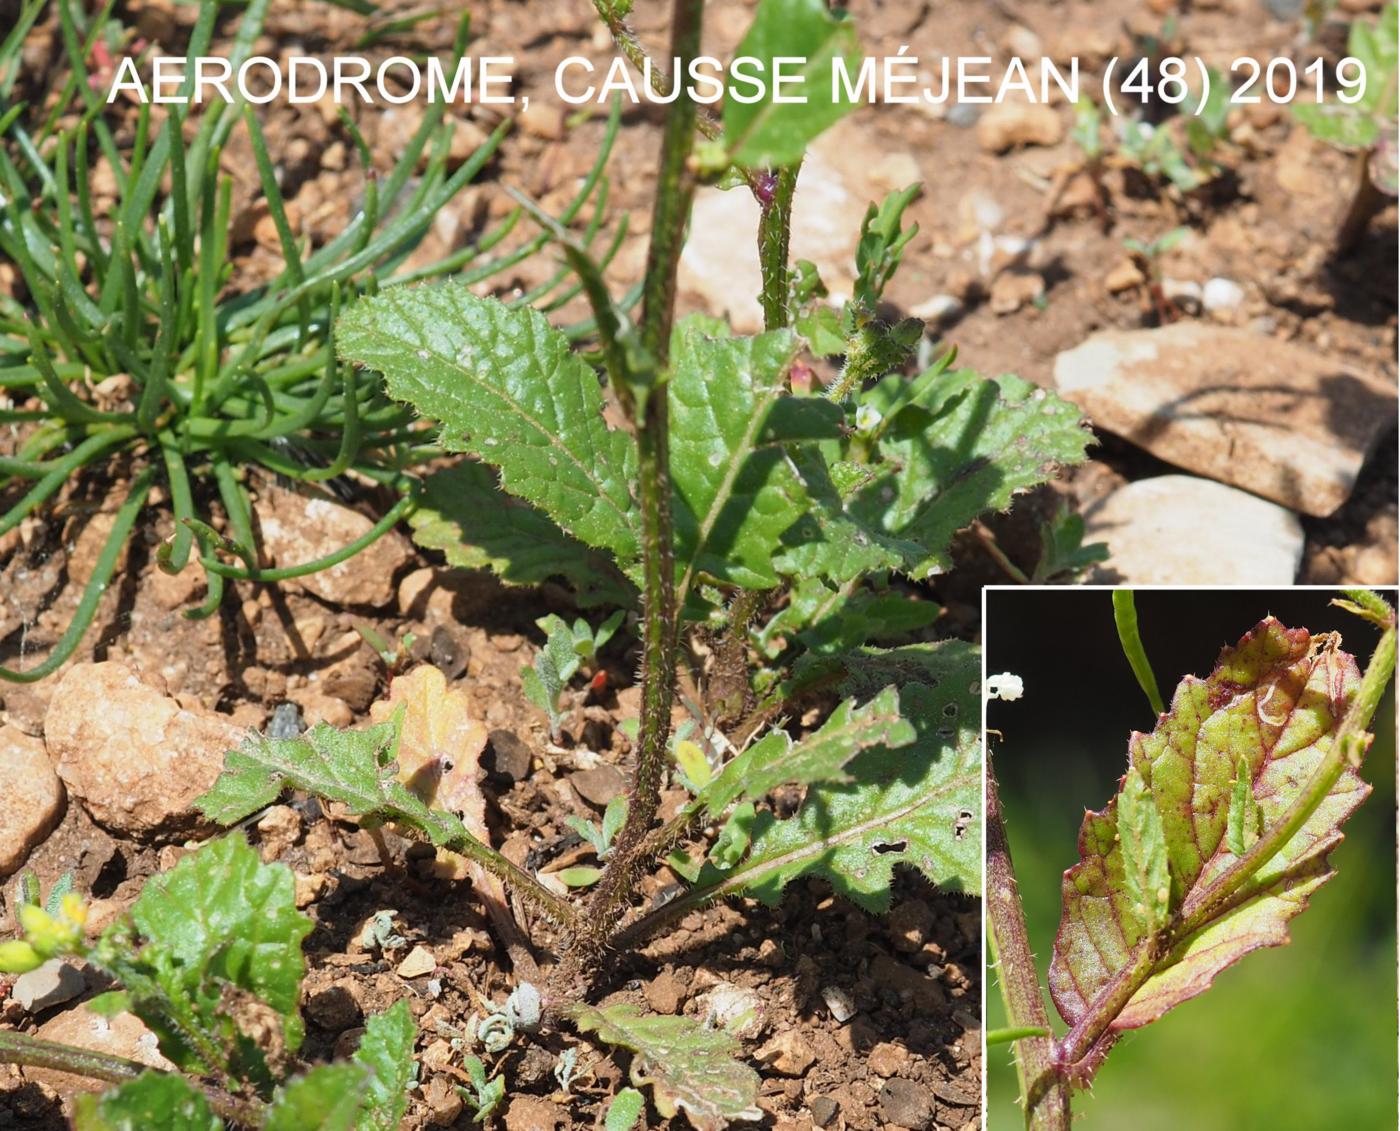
column 1004, row 686
column 867, row 418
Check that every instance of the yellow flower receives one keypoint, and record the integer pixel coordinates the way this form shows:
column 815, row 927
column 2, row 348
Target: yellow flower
column 47, row 934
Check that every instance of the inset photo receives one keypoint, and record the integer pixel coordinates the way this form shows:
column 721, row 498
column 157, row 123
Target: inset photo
column 1191, row 879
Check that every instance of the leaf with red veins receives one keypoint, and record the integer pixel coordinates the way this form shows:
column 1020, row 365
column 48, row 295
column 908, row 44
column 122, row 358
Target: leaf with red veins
column 1272, row 705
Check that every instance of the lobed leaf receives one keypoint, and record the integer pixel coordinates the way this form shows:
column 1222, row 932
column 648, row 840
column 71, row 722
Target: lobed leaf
column 767, row 133
column 917, row 803
column 955, row 446
column 464, row 513
column 690, row 1068
column 353, row 767
column 1271, row 707
column 153, row 1100
column 505, row 386
column 776, row 759
column 386, row 1054
column 221, row 961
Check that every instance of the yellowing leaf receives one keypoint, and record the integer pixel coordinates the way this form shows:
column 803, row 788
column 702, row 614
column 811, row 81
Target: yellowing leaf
column 1265, row 717
column 439, row 756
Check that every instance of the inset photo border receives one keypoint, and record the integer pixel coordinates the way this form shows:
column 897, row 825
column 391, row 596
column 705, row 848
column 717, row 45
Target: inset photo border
column 1241, row 1045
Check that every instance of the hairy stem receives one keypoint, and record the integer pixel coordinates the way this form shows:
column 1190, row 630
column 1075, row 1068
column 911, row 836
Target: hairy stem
column 19, row 1048
column 774, row 230
column 674, row 191
column 1203, row 904
column 626, row 41
column 1044, row 1096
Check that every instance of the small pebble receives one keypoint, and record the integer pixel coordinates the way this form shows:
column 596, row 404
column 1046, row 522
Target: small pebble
column 1221, row 294
column 53, row 983
column 418, row 962
column 286, row 721
column 840, row 1002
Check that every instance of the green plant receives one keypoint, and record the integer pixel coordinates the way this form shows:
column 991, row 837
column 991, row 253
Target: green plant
column 1362, row 120
column 1217, row 837
column 1148, row 257
column 727, row 498
column 485, row 1095
column 568, row 648
column 1062, row 550
column 138, row 356
column 209, row 957
column 599, row 837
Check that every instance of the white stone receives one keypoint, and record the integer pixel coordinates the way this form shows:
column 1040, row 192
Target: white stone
column 1220, row 293
column 53, row 983
column 1180, row 530
column 937, row 308
column 1278, row 419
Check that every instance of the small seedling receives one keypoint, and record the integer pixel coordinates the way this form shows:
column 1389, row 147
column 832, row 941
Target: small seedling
column 1148, row 257
column 1063, row 554
column 568, row 648
column 485, row 1095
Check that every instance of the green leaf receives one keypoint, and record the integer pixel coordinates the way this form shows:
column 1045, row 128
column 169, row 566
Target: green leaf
column 1243, row 823
column 476, row 525
column 1273, row 704
column 486, row 1095
column 614, row 816
column 954, row 447
column 505, row 386
column 624, row 1110
column 1358, row 125
column 767, row 133
column 154, row 1101
column 327, row 1098
column 918, row 803
column 881, row 245
column 776, row 759
column 689, row 1067
column 223, row 943
column 581, row 876
column 736, row 493
column 734, row 838
column 828, row 622
column 353, row 767
column 1144, row 849
column 386, row 1053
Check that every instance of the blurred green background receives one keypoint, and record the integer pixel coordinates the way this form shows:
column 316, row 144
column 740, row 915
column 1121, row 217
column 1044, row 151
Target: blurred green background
column 1301, row 1036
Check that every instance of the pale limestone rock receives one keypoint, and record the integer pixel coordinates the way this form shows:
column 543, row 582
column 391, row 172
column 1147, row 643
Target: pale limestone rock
column 130, row 754
column 1180, row 530
column 1274, row 418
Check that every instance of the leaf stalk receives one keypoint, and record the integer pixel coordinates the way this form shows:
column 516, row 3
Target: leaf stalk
column 1044, row 1095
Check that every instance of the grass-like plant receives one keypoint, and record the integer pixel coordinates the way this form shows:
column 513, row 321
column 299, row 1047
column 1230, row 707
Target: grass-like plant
column 782, row 525
column 213, row 380
column 1216, row 837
